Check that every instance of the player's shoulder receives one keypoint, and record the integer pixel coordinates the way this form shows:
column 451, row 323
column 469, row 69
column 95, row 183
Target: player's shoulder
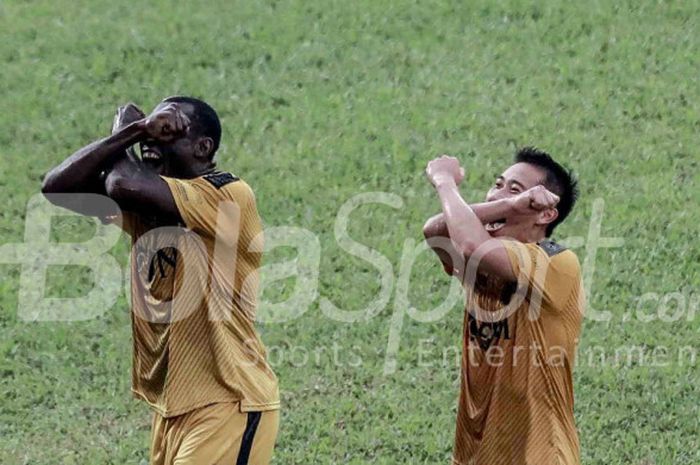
column 561, row 257
column 227, row 185
column 218, row 179
column 551, row 247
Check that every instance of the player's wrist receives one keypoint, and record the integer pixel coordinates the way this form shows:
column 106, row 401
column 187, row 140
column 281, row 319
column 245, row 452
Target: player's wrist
column 444, row 181
column 131, row 133
column 511, row 205
column 140, row 126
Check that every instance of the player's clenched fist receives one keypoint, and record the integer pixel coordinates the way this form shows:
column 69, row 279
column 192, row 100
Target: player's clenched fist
column 166, row 123
column 533, row 200
column 444, row 169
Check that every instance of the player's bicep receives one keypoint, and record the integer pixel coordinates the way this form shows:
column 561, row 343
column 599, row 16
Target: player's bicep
column 490, row 258
column 156, row 196
column 145, row 195
column 451, row 260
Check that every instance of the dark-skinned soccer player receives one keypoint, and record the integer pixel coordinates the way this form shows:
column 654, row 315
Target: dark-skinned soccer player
column 198, row 361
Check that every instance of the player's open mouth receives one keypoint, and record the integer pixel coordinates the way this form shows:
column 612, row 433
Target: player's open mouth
column 495, row 225
column 151, row 157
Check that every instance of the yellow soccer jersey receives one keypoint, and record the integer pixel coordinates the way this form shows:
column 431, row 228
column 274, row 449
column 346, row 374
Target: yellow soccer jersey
column 516, row 403
column 193, row 294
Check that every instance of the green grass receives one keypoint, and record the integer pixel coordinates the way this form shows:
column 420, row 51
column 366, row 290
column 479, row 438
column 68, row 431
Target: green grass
column 324, row 100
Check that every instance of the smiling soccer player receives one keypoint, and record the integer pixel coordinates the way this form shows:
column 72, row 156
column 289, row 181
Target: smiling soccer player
column 197, row 243
column 523, row 314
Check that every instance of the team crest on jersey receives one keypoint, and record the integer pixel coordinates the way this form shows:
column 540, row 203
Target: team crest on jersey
column 163, row 263
column 156, row 262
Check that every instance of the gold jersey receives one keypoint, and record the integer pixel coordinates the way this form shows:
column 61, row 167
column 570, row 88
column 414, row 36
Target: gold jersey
column 193, row 296
column 516, row 403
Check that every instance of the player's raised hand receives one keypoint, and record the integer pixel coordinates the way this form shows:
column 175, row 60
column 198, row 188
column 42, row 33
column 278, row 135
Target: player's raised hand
column 444, row 169
column 533, row 200
column 126, row 114
column 166, row 123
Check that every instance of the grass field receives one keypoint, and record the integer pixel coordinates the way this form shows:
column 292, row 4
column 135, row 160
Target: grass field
column 321, row 101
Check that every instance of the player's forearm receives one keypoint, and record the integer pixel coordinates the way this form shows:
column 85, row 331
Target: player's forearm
column 488, row 212
column 464, row 227
column 485, row 211
column 81, row 170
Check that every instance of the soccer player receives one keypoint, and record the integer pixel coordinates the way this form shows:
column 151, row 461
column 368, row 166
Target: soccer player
column 523, row 313
column 197, row 243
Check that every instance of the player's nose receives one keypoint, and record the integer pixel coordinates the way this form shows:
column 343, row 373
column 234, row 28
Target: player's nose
column 492, row 195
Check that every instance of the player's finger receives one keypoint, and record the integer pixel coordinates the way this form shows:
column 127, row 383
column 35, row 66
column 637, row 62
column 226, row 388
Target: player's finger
column 543, row 199
column 185, row 122
column 167, row 127
column 136, row 110
column 178, row 121
column 551, row 199
column 537, row 204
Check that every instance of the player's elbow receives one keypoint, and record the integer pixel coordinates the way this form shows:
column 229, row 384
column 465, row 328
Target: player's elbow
column 430, row 229
column 51, row 184
column 47, row 187
column 449, row 269
column 427, row 232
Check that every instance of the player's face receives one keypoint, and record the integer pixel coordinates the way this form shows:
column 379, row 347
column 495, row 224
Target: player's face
column 516, row 179
column 170, row 158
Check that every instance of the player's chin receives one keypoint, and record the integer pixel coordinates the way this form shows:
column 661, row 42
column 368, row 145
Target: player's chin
column 505, row 231
column 510, row 231
column 157, row 167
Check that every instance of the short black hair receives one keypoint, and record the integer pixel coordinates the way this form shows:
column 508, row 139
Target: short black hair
column 204, row 118
column 557, row 179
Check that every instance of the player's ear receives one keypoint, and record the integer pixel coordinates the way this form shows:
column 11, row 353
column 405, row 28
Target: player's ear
column 203, row 147
column 547, row 216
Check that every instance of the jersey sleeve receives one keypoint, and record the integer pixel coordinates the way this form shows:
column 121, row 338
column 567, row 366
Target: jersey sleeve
column 552, row 279
column 207, row 209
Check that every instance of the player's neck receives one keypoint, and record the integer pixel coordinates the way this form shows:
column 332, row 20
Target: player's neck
column 532, row 235
column 196, row 171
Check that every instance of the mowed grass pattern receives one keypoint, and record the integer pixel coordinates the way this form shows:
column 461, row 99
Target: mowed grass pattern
column 321, row 101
